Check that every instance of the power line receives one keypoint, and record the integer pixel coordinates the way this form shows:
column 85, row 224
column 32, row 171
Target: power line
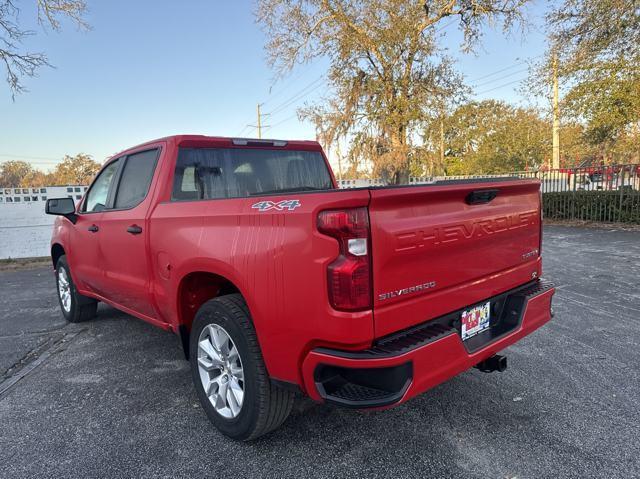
column 38, row 163
column 305, row 91
column 315, row 84
column 300, row 96
column 501, row 86
column 514, row 65
column 284, row 121
column 22, row 157
column 302, row 92
column 244, row 128
column 517, row 72
column 283, row 89
column 488, row 75
column 438, row 30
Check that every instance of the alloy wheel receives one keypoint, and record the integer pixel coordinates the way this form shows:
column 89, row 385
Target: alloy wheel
column 220, row 369
column 64, row 289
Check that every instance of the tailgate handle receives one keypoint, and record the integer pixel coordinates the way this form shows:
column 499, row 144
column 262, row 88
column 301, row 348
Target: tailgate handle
column 480, row 197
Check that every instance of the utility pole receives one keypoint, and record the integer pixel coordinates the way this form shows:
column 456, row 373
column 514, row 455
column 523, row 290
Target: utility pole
column 556, row 115
column 442, row 142
column 339, row 155
column 259, row 126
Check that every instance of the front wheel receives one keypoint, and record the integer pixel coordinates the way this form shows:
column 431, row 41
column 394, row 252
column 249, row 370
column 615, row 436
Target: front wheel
column 229, row 373
column 75, row 307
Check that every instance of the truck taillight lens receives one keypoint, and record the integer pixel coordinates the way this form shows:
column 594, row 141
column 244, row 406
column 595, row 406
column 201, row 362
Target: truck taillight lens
column 349, row 275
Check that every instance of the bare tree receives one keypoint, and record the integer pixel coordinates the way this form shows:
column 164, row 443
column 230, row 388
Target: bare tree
column 388, row 72
column 18, row 62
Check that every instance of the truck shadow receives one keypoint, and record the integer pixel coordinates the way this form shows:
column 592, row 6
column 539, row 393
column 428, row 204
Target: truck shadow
column 456, row 425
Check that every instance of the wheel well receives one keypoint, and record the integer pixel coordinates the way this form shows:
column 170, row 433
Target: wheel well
column 196, row 289
column 56, row 251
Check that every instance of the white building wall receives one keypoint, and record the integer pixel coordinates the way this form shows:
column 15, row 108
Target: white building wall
column 25, row 229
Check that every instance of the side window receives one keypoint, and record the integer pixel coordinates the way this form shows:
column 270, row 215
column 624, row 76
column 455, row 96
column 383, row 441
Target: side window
column 97, row 196
column 136, row 178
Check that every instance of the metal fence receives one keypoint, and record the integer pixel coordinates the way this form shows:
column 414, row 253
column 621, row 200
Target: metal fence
column 607, row 193
column 592, row 178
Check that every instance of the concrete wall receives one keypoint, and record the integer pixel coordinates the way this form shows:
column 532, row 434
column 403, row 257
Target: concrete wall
column 25, row 229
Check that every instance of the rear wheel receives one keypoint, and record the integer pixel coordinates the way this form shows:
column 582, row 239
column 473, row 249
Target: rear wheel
column 75, row 307
column 229, row 373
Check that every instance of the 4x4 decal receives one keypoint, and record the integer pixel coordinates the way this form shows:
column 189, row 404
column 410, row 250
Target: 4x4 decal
column 283, row 205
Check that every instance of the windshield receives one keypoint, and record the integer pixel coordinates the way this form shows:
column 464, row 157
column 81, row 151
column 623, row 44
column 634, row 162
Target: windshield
column 205, row 173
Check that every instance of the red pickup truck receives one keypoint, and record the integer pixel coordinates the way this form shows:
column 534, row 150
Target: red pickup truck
column 278, row 282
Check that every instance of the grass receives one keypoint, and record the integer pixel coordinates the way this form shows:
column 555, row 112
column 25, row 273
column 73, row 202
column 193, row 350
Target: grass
column 592, row 224
column 13, row 264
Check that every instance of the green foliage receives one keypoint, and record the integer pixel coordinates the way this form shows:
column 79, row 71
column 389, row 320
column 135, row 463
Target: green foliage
column 73, row 170
column 607, row 98
column 492, row 137
column 76, row 170
column 12, row 173
column 388, row 71
column 598, row 47
column 599, row 206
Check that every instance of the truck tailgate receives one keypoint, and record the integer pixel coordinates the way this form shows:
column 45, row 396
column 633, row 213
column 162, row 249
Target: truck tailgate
column 438, row 248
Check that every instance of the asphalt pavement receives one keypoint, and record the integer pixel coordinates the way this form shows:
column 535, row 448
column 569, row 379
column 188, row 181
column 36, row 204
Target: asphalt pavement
column 113, row 397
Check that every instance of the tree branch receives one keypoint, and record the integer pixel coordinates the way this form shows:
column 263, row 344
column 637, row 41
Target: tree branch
column 19, row 64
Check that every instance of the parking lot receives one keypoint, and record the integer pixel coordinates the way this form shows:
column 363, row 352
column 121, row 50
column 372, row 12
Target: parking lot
column 113, row 397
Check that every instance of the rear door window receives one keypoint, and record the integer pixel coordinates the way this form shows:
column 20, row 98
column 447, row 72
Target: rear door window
column 135, row 179
column 208, row 173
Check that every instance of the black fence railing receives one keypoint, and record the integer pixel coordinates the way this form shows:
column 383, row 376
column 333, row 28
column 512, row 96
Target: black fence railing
column 607, row 193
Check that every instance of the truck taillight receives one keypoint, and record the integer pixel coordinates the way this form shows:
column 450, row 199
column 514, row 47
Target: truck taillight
column 349, row 275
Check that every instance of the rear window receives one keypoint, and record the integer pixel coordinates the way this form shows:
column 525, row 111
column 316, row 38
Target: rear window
column 208, row 173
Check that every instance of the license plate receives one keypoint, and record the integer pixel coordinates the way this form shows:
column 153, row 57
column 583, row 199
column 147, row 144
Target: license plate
column 475, row 320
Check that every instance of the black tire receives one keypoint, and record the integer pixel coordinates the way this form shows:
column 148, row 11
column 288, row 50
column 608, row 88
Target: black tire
column 265, row 406
column 81, row 308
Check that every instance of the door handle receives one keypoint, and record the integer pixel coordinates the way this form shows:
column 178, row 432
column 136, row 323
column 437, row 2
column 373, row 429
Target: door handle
column 480, row 197
column 93, row 228
column 134, row 230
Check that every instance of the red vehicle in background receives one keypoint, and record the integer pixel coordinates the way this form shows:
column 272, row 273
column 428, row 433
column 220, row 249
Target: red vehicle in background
column 278, row 282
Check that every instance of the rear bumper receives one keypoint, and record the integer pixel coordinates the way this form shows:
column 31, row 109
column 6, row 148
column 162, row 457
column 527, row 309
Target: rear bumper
column 407, row 363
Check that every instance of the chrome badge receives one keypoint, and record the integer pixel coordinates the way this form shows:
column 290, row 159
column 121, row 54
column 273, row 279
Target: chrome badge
column 405, row 291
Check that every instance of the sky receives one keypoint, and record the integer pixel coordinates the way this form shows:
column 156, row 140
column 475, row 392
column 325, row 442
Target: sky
column 149, row 69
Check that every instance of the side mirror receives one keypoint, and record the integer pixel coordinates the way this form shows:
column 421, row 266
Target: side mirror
column 62, row 207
